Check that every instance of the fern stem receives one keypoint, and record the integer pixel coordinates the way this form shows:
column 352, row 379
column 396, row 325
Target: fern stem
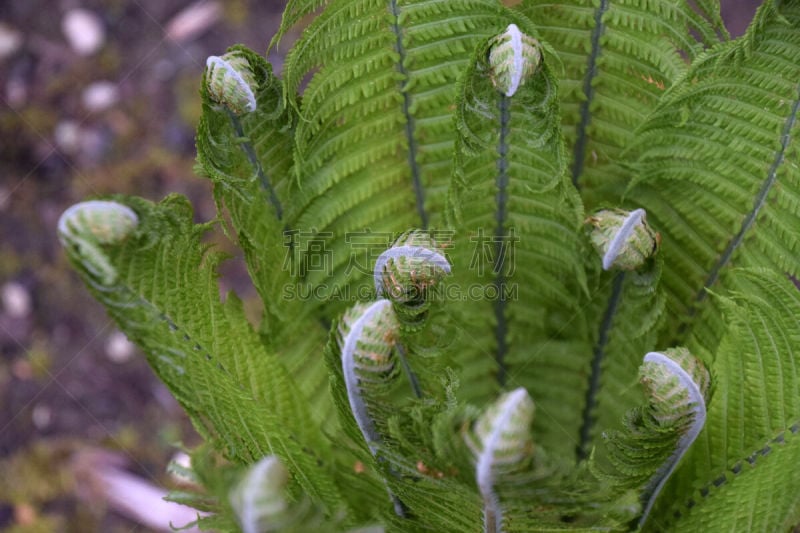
column 761, row 198
column 490, row 520
column 419, row 192
column 597, row 361
column 501, row 327
column 588, row 91
column 412, row 377
column 253, row 158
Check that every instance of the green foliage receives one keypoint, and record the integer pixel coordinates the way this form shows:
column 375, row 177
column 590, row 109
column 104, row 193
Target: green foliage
column 733, row 115
column 619, row 58
column 489, row 129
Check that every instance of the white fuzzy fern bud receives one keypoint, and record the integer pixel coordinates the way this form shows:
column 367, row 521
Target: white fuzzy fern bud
column 501, row 441
column 622, row 238
column 85, row 228
column 368, row 334
column 231, row 82
column 413, row 264
column 677, row 385
column 258, row 498
column 514, row 57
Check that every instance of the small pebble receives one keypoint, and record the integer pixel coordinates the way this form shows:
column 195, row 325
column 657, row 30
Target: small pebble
column 84, row 31
column 100, row 95
column 118, row 348
column 10, row 41
column 67, row 135
column 41, row 416
column 16, row 300
column 193, row 21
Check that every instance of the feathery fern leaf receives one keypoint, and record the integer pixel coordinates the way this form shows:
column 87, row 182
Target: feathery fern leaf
column 248, row 158
column 374, row 141
column 421, row 113
column 759, row 493
column 619, row 57
column 516, row 257
column 756, row 393
column 165, row 298
column 262, row 505
column 723, row 188
column 294, row 12
column 434, row 464
column 501, row 439
column 366, row 348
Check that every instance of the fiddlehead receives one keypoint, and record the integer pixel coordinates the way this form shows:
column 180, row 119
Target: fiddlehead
column 659, row 434
column 501, row 441
column 258, row 499
column 408, row 271
column 367, row 337
column 513, row 58
column 623, row 238
column 85, row 228
column 231, row 82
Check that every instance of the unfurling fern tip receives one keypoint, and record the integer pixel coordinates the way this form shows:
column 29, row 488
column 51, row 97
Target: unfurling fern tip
column 514, row 58
column 231, row 82
column 623, row 238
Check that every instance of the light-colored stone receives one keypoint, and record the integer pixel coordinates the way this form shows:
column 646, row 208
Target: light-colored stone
column 193, row 21
column 100, row 95
column 118, row 348
column 16, row 300
column 67, row 135
column 84, row 31
column 10, row 40
column 41, row 416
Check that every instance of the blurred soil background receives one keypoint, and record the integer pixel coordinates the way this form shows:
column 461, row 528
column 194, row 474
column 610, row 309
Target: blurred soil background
column 99, row 97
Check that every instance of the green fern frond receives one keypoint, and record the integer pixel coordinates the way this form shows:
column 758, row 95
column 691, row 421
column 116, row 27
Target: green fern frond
column 248, row 158
column 164, row 296
column 374, row 143
column 363, row 357
column 619, row 58
column 501, row 441
column 515, row 256
column 447, row 115
column 517, row 241
column 294, row 12
column 724, row 190
column 756, row 388
column 761, row 492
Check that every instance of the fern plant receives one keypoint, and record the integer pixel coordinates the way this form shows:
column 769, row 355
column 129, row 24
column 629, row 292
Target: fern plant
column 522, row 268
